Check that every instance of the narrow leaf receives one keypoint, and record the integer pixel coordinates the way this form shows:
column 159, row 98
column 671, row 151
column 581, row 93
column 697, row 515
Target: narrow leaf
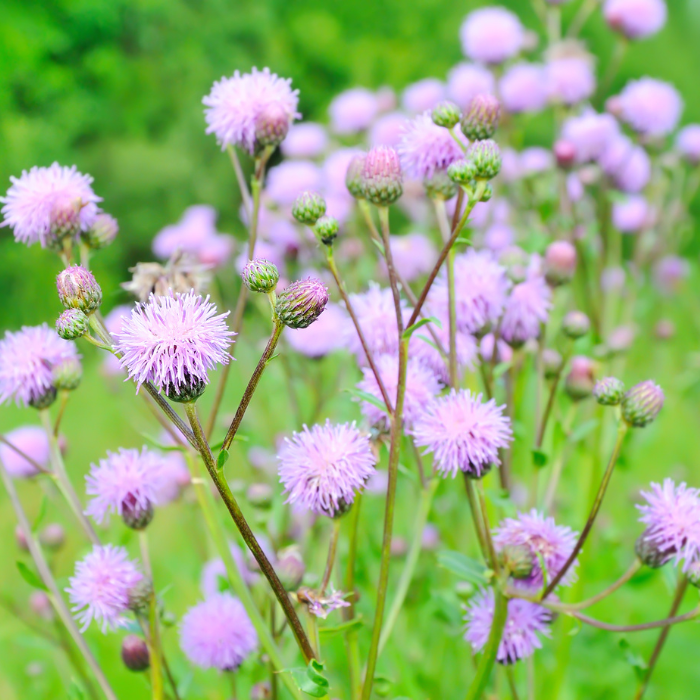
column 40, row 516
column 365, row 396
column 501, row 368
column 419, row 324
column 582, row 430
column 463, row 566
column 222, row 459
column 355, row 623
column 30, row 577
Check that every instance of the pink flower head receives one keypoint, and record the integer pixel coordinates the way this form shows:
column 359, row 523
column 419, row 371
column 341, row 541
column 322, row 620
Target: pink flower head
column 236, row 106
column 217, row 633
column 467, row 80
column 589, row 134
column 503, row 351
column 323, row 336
column 669, row 273
column 523, row 88
column 544, row 538
column 30, row 440
column 422, row 348
column 414, row 255
column 174, row 477
column 286, row 181
column 99, row 589
column 43, row 201
column 524, row 623
column 462, row 432
column 636, row 19
column 535, row 160
column 421, row 387
column 321, row 468
column 27, row 359
column 491, row 35
column 388, row 130
column 306, row 140
column 423, row 95
column 527, row 308
column 570, row 80
column 353, row 111
column 173, row 341
column 651, row 107
column 631, row 215
column 426, row 147
column 688, row 143
column 627, row 164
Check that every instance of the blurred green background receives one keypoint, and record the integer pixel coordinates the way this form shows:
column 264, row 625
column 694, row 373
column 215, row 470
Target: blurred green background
column 115, row 87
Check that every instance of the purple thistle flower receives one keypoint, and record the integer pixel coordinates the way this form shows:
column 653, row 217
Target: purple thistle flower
column 462, row 432
column 589, row 134
column 669, row 273
column 324, row 605
column 465, row 81
column 491, row 35
column 388, row 130
column 33, row 442
column 524, row 623
column 286, row 181
column 173, row 341
column 554, row 543
column 627, row 164
column 321, row 468
column 175, row 476
column 526, row 309
column 422, row 385
column 426, row 147
column 414, row 255
column 636, row 19
column 217, row 633
column 631, row 214
column 307, row 140
column 423, row 95
column 353, row 110
column 99, row 589
column 688, row 143
column 323, row 336
column 238, row 106
column 651, row 107
column 570, row 79
column 523, row 88
column 27, row 358
column 672, row 518
column 44, row 201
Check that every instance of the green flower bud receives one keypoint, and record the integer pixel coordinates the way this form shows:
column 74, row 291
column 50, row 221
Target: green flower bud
column 103, row 231
column 446, row 114
column 300, row 304
column 642, row 403
column 440, row 186
column 260, row 275
column 382, row 180
column 67, row 374
column 480, row 120
column 308, row 208
column 326, row 229
column 462, row 171
column 72, row 324
column 485, row 157
column 353, row 176
column 78, row 289
column 609, row 391
column 575, row 324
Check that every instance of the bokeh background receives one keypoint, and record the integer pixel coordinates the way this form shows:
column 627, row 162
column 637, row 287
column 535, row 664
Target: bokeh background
column 115, row 87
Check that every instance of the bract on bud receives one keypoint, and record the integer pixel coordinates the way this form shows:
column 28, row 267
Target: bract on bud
column 487, row 193
column 135, row 515
column 271, row 126
column 300, row 304
column 651, row 553
column 353, row 176
column 135, row 653
column 517, row 560
column 382, row 180
column 103, row 231
column 575, row 324
column 67, row 373
column 78, row 289
column 326, row 229
column 65, row 221
column 642, row 403
column 581, row 378
column 72, row 324
column 446, row 114
column 485, row 156
column 480, row 120
column 44, row 400
column 308, row 208
column 140, row 596
column 462, row 171
column 260, row 275
column 189, row 389
column 564, row 154
column 609, row 391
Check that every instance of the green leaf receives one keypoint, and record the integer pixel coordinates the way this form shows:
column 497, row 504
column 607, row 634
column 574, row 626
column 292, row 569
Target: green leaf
column 30, row 577
column 40, row 516
column 419, row 324
column 75, row 691
column 161, row 445
column 380, row 246
column 582, row 430
column 501, row 368
column 633, row 658
column 365, row 396
column 355, row 623
column 462, row 240
column 382, row 685
column 539, row 458
column 310, row 679
column 222, row 459
column 463, row 566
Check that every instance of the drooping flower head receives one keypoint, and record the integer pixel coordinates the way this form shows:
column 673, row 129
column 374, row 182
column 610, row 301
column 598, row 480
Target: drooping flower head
column 524, row 623
column 526, row 309
column 554, row 543
column 173, row 342
column 491, row 35
column 635, row 19
column 322, row 467
column 463, row 433
column 99, row 589
column 651, row 107
column 241, row 110
column 31, row 440
column 27, row 359
column 46, row 204
column 217, row 633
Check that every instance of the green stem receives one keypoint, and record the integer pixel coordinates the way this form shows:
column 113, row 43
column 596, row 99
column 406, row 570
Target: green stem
column 351, row 638
column 510, row 675
column 330, row 561
column 156, row 651
column 476, row 516
column 393, row 279
column 634, row 568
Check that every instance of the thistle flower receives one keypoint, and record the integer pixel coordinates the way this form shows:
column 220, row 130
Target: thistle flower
column 322, row 606
column 426, row 147
column 480, row 119
column 99, row 590
column 491, row 35
column 173, row 342
column 560, row 262
column 323, row 336
column 627, row 164
column 462, row 432
column 524, row 623
column 688, row 143
column 423, row 95
column 388, row 130
column 631, row 215
column 523, row 88
column 78, row 289
column 382, row 179
column 672, row 518
column 669, row 273
column 27, row 358
column 421, row 387
column 291, row 177
column 608, row 391
column 642, row 403
column 72, row 324
column 239, row 109
column 570, row 79
column 635, row 19
column 103, row 231
column 135, row 654
column 353, row 110
column 33, row 442
column 526, row 309
column 651, row 107
column 307, row 140
column 217, row 633
column 322, row 467
column 589, row 134
column 553, row 543
column 301, row 303
column 46, row 204
column 422, row 348
column 260, row 275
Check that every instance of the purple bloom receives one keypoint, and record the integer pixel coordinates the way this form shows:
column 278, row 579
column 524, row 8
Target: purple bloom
column 423, row 95
column 688, row 143
column 589, row 134
column 465, row 81
column 286, row 181
column 324, row 605
column 388, row 130
column 422, row 348
column 217, row 633
column 462, row 432
column 523, row 88
column 32, row 441
column 426, row 148
column 669, row 273
column 554, row 543
column 636, row 19
column 27, row 358
column 173, row 341
column 504, row 353
column 672, row 518
column 499, row 237
column 174, row 477
column 570, row 80
column 307, row 140
column 421, row 387
column 321, row 468
column 323, row 336
column 651, row 107
column 631, row 215
column 627, row 164
column 491, row 35
column 525, row 622
column 414, row 255
column 236, row 107
column 100, row 588
column 353, row 110
column 526, row 309
column 535, row 160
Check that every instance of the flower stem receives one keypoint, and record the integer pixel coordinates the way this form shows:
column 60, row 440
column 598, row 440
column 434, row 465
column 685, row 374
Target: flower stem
column 332, row 547
column 476, row 516
column 351, row 638
column 153, row 628
column 542, row 428
column 24, row 456
column 393, row 280
column 634, row 568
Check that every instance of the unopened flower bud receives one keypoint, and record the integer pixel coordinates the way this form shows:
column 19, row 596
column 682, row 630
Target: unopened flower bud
column 565, row 154
column 72, row 324
column 487, row 193
column 300, row 304
column 485, row 156
column 551, row 363
column 308, row 208
column 559, row 263
column 44, row 400
column 326, row 229
column 40, row 605
column 609, row 391
column 140, row 596
column 399, row 547
column 575, row 324
column 353, row 176
column 102, row 232
column 651, row 553
column 581, row 379
column 65, row 221
column 67, row 373
column 21, row 539
column 260, row 275
column 135, row 515
column 271, row 126
column 446, row 114
column 53, row 536
column 517, row 560
column 642, row 403
column 693, row 573
column 480, row 120
column 382, row 181
column 461, row 171
column 290, row 568
column 515, row 260
column 78, row 289
column 440, row 186
column 189, row 390
column 260, row 495
column 135, row 653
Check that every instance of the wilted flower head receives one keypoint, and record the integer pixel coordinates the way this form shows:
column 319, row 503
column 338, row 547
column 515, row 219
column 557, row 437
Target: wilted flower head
column 462, row 432
column 465, row 81
column 423, row 95
column 322, row 605
column 688, row 143
column 526, row 309
column 321, row 468
column 524, row 623
column 523, row 88
column 173, row 342
column 99, row 589
column 491, row 35
column 45, row 204
column 636, row 19
column 239, row 106
column 323, row 336
column 570, row 79
column 27, row 359
column 353, row 110
column 651, row 107
column 32, row 441
column 217, row 633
